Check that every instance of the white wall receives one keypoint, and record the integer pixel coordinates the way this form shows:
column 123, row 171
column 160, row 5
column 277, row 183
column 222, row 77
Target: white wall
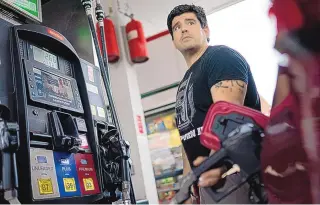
column 165, row 66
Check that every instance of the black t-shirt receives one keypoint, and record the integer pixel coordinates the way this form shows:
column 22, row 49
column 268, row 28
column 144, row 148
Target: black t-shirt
column 194, row 99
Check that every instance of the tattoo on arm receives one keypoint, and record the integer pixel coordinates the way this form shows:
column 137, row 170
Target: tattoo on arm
column 231, row 85
column 221, row 85
column 240, row 83
column 233, row 91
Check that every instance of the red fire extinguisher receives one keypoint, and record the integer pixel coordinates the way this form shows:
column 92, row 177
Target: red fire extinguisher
column 137, row 42
column 110, row 40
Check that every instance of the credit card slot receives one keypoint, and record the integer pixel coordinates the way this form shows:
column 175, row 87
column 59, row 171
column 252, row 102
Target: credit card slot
column 41, row 136
column 38, row 144
column 40, row 140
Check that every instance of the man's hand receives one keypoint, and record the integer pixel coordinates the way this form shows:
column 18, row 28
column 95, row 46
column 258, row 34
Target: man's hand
column 189, row 201
column 209, row 178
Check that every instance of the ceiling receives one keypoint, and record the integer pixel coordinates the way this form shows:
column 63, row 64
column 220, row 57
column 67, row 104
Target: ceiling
column 153, row 13
column 44, row 1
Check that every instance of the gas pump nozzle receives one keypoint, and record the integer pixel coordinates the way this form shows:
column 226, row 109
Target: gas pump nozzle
column 73, row 143
column 113, row 146
column 9, row 145
column 64, row 131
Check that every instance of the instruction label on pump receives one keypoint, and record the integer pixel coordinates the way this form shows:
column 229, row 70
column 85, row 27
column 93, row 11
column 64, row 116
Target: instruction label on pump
column 43, row 174
column 90, row 73
column 93, row 110
column 67, row 174
column 92, row 88
column 84, row 144
column 101, row 112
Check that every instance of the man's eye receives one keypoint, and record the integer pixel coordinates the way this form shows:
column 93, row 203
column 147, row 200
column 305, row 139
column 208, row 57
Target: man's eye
column 191, row 23
column 176, row 28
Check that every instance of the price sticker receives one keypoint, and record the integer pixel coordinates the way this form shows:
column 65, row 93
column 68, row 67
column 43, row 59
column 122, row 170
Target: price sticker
column 88, row 184
column 45, row 186
column 69, row 185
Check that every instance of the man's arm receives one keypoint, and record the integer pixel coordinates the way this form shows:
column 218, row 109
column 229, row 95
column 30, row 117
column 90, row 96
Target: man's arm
column 233, row 91
column 227, row 80
column 228, row 76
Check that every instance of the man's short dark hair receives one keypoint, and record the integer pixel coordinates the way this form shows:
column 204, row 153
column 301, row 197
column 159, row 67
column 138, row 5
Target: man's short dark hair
column 181, row 9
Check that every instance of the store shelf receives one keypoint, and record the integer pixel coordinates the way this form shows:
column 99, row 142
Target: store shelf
column 166, row 153
column 169, row 189
column 143, row 202
column 169, row 174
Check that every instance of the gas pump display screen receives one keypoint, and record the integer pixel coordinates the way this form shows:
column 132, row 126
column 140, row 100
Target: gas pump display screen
column 54, row 87
column 45, row 57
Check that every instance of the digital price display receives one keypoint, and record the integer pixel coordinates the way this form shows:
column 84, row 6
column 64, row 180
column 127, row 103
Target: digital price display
column 54, row 88
column 45, row 57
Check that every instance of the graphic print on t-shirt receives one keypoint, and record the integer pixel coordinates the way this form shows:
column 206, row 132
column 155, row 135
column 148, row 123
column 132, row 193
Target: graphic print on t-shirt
column 185, row 108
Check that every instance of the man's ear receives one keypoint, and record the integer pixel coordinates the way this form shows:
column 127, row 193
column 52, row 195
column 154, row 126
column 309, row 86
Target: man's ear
column 207, row 31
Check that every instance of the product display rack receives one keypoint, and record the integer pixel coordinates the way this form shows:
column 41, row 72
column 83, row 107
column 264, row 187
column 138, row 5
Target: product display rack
column 166, row 153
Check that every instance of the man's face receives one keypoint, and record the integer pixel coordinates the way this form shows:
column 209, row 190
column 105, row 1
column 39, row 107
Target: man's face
column 187, row 32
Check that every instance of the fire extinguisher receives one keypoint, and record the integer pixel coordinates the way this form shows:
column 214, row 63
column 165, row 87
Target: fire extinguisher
column 110, row 40
column 136, row 42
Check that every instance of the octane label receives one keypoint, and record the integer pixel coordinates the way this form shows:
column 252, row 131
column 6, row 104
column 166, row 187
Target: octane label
column 67, row 174
column 87, row 175
column 69, row 184
column 88, row 184
column 43, row 174
column 45, row 186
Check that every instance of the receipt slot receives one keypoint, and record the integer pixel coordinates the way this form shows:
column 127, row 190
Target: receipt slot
column 54, row 117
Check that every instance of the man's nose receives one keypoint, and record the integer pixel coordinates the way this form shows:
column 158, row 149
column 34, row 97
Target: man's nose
column 184, row 30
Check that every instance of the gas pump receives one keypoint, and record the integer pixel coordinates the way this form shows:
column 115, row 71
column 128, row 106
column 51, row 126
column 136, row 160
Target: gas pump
column 107, row 133
column 58, row 156
column 66, row 146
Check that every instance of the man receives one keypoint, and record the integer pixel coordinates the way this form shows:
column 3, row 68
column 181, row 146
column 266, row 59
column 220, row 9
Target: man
column 215, row 73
